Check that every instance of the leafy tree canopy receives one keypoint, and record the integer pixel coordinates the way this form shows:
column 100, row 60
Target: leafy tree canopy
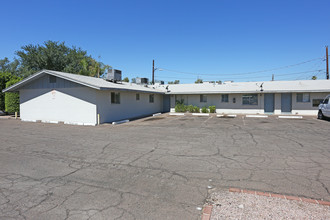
column 199, row 81
column 4, row 79
column 174, row 82
column 52, row 55
column 126, row 79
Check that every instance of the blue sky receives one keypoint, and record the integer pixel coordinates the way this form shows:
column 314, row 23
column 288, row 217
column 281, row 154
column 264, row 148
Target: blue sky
column 216, row 40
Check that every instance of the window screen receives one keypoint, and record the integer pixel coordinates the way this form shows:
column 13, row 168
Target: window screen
column 151, row 98
column 303, row 97
column 316, row 102
column 250, row 99
column 203, row 98
column 115, row 98
column 224, row 98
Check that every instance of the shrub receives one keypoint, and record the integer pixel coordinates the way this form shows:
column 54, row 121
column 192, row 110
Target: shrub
column 212, row 108
column 205, row 110
column 180, row 108
column 190, row 108
column 12, row 98
column 196, row 109
column 193, row 109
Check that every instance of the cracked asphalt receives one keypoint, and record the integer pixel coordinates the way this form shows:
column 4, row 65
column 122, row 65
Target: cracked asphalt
column 156, row 167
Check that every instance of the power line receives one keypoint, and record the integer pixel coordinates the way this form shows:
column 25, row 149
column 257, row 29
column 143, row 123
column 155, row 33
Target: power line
column 246, row 73
column 254, row 77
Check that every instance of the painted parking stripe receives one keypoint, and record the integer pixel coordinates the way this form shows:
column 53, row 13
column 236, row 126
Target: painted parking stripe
column 200, row 114
column 290, row 116
column 172, row 113
column 226, row 116
column 256, row 116
column 156, row 114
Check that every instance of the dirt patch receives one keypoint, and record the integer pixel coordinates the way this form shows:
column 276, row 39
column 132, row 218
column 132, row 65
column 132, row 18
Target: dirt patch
column 229, row 205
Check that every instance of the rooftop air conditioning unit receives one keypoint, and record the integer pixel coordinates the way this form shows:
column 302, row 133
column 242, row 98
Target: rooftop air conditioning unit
column 141, row 80
column 160, row 82
column 113, row 75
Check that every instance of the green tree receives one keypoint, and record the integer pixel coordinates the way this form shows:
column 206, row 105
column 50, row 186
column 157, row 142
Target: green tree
column 57, row 56
column 199, row 81
column 12, row 98
column 126, row 79
column 314, row 77
column 133, row 80
column 4, row 78
column 9, row 67
column 174, row 82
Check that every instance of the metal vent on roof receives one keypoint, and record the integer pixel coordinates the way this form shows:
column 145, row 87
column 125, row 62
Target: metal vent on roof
column 113, row 75
column 142, row 80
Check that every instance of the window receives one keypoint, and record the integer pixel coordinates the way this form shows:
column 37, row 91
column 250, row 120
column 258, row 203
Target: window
column 115, row 98
column 326, row 101
column 224, row 98
column 303, row 97
column 203, row 98
column 250, row 99
column 137, row 96
column 151, row 98
column 316, row 102
column 52, row 79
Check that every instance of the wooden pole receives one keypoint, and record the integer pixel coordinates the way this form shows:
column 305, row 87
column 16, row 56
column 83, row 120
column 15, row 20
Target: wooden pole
column 153, row 72
column 327, row 59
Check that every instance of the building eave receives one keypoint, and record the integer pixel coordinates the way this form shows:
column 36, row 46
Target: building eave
column 23, row 82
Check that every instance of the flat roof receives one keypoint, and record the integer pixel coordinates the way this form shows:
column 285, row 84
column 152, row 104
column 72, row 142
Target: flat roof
column 252, row 87
column 202, row 88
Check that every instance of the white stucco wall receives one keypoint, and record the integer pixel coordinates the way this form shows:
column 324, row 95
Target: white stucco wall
column 128, row 108
column 63, row 101
column 306, row 108
column 58, row 105
column 222, row 107
column 231, row 107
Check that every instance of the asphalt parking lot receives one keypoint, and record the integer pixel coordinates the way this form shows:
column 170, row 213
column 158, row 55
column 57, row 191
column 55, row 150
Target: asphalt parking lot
column 157, row 167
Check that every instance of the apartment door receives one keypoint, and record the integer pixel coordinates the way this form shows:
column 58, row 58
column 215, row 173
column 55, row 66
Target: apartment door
column 166, row 103
column 286, row 102
column 269, row 103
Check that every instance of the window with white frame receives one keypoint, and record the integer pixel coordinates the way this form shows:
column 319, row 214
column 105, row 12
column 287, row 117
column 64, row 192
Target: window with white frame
column 303, row 97
column 224, row 98
column 151, row 98
column 250, row 99
column 115, row 98
column 203, row 98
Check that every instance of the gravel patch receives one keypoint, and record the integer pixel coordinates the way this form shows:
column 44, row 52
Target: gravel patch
column 229, row 205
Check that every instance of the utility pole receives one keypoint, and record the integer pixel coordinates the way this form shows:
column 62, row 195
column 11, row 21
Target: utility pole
column 153, row 72
column 327, row 59
column 273, row 77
